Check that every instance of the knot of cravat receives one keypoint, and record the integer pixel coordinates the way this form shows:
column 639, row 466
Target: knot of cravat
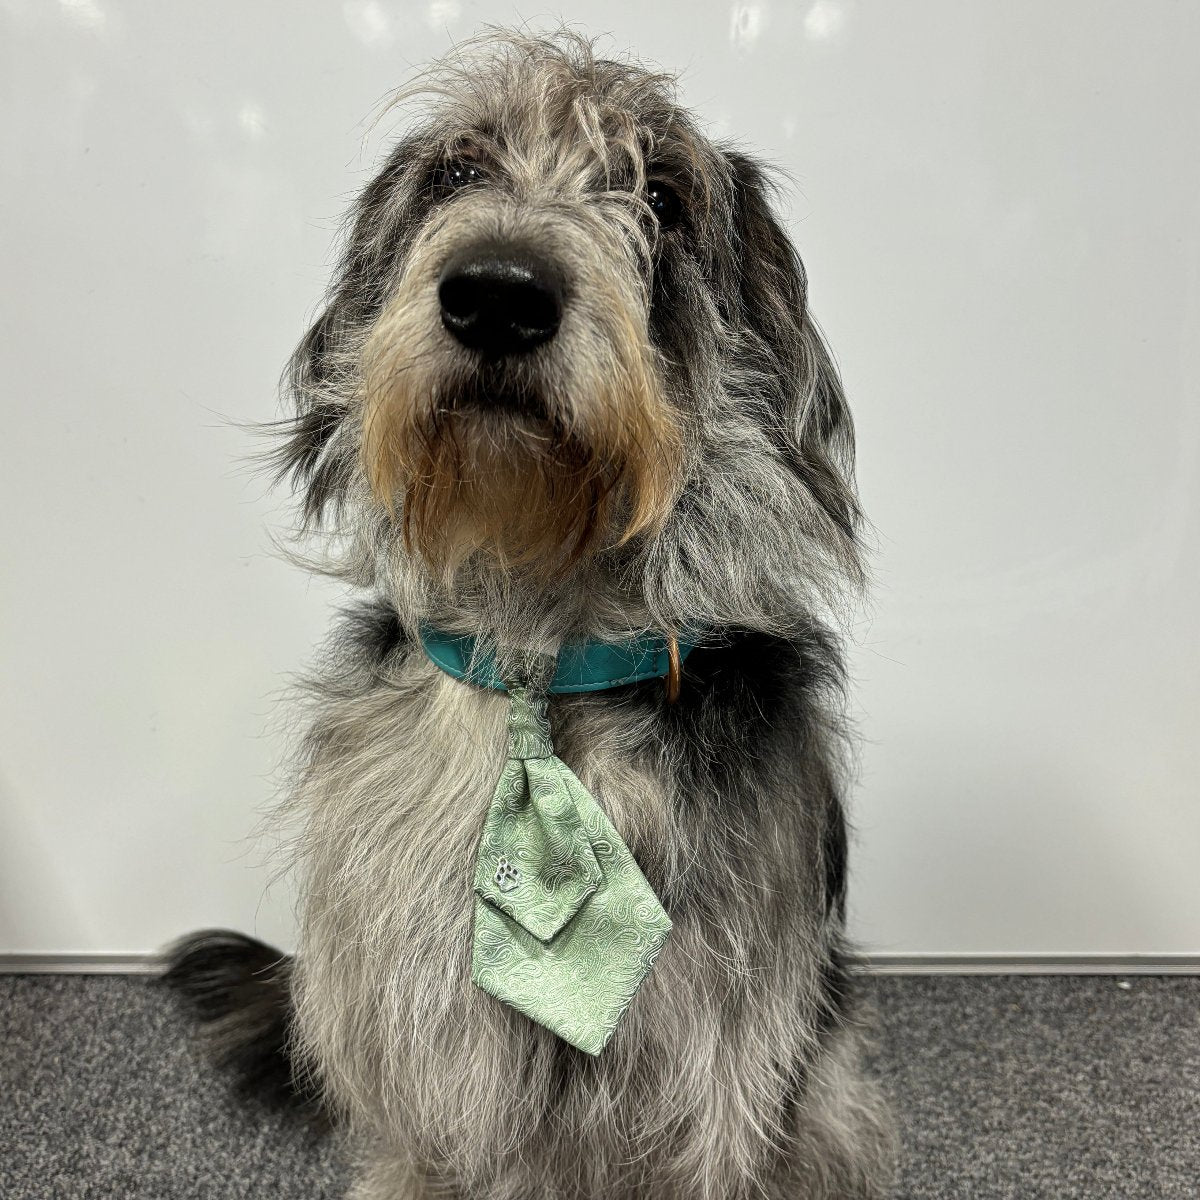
column 528, row 724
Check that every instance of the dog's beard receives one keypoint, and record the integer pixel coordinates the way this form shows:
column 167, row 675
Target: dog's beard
column 532, row 473
column 525, row 480
column 521, row 489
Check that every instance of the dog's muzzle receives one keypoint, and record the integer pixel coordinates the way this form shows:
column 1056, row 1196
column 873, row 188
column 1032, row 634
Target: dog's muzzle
column 499, row 300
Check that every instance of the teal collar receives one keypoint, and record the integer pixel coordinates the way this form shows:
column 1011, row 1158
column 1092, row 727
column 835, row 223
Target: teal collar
column 582, row 666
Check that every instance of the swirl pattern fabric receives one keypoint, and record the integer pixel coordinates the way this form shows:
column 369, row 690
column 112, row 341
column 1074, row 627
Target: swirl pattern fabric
column 566, row 926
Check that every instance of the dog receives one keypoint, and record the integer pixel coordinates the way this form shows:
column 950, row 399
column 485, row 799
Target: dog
column 566, row 389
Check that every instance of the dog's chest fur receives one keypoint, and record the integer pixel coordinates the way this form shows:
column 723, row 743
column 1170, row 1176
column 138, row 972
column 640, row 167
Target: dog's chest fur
column 726, row 802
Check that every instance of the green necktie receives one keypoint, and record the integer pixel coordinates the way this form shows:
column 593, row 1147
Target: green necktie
column 566, row 926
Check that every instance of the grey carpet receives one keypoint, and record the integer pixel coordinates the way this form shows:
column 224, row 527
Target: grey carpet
column 1022, row 1088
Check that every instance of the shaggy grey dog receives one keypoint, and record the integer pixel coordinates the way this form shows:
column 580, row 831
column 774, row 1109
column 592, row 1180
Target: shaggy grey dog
column 565, row 386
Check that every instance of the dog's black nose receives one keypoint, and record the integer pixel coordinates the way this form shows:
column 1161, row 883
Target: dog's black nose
column 499, row 301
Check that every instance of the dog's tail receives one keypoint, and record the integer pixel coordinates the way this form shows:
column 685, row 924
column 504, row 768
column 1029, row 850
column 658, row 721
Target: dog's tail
column 240, row 992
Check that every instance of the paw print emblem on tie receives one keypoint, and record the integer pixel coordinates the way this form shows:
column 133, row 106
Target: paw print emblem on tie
column 507, row 876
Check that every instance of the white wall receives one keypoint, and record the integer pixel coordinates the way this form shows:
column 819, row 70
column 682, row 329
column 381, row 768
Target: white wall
column 998, row 205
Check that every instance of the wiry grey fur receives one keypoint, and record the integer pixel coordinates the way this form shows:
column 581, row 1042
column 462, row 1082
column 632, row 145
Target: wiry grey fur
column 735, row 1073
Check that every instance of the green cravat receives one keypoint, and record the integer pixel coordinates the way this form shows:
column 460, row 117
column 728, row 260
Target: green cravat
column 566, row 926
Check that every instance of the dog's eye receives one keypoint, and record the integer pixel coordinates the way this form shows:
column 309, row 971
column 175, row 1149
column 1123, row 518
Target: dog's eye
column 459, row 173
column 664, row 203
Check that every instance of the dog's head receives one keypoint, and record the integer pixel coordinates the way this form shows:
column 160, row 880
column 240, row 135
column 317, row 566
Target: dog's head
column 568, row 339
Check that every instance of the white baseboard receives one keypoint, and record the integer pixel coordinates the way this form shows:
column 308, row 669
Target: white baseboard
column 876, row 964
column 1032, row 964
column 80, row 964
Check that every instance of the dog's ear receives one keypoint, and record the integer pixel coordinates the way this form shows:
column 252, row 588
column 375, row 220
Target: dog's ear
column 321, row 377
column 305, row 456
column 812, row 420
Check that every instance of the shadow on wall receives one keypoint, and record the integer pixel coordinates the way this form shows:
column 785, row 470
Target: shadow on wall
column 36, row 892
column 1023, row 827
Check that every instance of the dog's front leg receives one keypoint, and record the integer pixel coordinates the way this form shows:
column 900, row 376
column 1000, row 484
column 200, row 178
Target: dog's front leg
column 390, row 1176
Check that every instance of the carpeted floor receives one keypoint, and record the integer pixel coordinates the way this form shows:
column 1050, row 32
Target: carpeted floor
column 1007, row 1087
